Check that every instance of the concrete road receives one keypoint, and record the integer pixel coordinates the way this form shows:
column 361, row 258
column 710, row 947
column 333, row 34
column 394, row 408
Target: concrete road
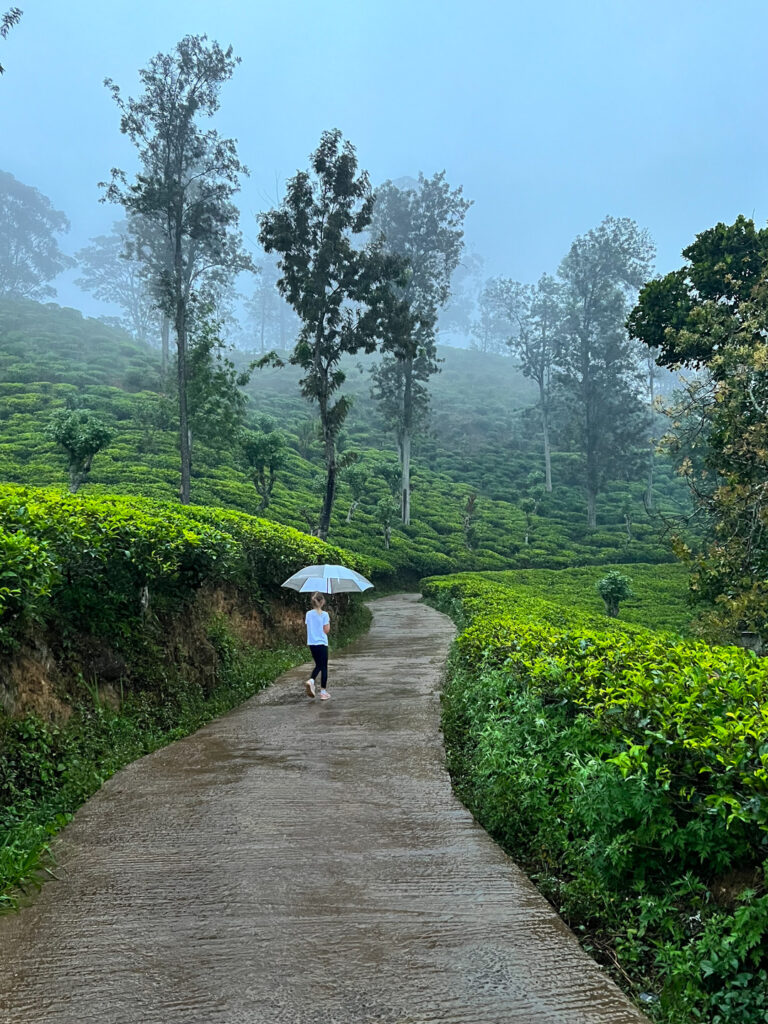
column 298, row 862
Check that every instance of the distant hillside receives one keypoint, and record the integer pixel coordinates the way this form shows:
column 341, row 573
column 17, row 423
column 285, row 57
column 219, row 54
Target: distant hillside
column 482, row 439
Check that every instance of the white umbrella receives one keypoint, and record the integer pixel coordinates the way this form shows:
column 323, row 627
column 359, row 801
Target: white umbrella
column 328, row 579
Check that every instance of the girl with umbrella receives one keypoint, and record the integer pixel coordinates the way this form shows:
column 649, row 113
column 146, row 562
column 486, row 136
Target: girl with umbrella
column 319, row 580
column 318, row 627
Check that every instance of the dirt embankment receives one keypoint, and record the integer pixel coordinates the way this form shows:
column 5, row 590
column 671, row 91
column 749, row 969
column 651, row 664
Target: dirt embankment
column 43, row 674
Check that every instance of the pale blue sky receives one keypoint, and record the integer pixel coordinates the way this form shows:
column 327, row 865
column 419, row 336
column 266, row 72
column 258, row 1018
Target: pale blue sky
column 551, row 114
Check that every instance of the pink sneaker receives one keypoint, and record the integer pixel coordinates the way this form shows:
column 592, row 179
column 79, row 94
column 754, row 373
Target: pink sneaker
column 324, row 695
column 309, row 686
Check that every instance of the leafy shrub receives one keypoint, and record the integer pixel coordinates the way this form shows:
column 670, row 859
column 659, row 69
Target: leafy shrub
column 614, row 588
column 85, row 570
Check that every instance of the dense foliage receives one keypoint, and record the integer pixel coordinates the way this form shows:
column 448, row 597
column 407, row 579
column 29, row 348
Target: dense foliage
column 96, row 564
column 709, row 316
column 626, row 769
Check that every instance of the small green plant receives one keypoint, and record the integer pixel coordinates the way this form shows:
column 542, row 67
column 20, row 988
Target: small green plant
column 264, row 454
column 387, row 513
column 614, row 588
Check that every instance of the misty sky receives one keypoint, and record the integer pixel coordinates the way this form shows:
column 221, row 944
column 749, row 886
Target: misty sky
column 550, row 114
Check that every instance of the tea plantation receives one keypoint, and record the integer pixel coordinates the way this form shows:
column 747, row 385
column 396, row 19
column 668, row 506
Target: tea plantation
column 482, row 440
column 126, row 623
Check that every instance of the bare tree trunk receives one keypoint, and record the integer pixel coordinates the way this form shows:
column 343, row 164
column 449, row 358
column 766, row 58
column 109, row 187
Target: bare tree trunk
column 545, row 430
column 330, row 490
column 590, row 445
column 165, row 336
column 649, row 496
column 406, row 479
column 591, row 508
column 405, row 447
column 592, row 474
column 184, row 431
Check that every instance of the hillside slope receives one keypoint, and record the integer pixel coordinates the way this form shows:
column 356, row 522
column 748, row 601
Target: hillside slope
column 482, row 439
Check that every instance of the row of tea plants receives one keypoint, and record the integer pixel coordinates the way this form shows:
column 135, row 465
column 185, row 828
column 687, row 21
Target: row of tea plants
column 627, row 770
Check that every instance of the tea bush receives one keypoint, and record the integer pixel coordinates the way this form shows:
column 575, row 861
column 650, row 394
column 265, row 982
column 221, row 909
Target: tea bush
column 626, row 769
column 98, row 560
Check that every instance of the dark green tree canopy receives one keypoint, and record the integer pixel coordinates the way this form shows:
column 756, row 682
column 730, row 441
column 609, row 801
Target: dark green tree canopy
column 689, row 314
column 711, row 314
column 325, row 274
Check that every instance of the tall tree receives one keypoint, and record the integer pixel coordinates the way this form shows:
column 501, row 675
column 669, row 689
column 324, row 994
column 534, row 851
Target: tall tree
column 7, row 21
column 111, row 273
column 597, row 361
column 189, row 175
column 423, row 225
column 335, row 284
column 529, row 317
column 29, row 252
column 490, row 330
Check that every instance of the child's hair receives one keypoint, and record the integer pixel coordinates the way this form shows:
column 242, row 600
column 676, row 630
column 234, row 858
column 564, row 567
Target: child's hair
column 317, row 599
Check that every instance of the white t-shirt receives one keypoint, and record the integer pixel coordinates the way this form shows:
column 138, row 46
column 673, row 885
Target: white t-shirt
column 315, row 621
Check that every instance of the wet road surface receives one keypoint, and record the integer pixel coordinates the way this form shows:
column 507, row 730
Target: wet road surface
column 299, row 863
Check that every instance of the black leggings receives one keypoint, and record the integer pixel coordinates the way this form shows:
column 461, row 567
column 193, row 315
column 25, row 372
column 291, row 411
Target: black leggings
column 320, row 654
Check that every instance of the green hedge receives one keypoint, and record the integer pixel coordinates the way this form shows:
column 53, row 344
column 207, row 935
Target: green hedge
column 627, row 769
column 91, row 563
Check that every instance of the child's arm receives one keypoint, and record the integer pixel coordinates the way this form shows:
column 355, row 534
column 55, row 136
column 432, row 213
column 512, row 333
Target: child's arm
column 327, row 626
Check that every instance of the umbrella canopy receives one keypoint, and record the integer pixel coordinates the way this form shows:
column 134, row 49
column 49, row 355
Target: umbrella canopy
column 328, row 579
